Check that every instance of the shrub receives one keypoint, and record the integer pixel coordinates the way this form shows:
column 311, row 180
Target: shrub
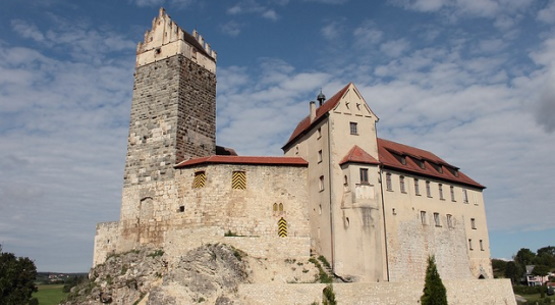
column 434, row 290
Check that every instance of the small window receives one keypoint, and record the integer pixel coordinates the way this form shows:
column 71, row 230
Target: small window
column 321, row 183
column 354, row 128
column 345, row 180
column 481, row 245
column 465, row 196
column 470, row 244
column 199, row 180
column 402, row 184
column 473, row 223
column 423, row 217
column 452, row 190
column 320, row 158
column 182, row 209
column 436, row 220
column 364, row 176
column 239, row 180
column 428, row 189
column 319, row 133
column 440, row 187
column 388, row 184
column 416, row 187
column 449, row 221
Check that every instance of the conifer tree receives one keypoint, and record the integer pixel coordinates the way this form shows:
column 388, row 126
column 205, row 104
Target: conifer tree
column 434, row 291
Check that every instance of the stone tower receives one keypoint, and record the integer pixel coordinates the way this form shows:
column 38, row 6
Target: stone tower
column 173, row 112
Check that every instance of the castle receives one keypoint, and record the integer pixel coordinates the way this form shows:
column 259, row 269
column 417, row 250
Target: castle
column 375, row 209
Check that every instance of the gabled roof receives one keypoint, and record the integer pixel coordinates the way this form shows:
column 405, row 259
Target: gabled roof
column 291, row 161
column 358, row 155
column 305, row 124
column 388, row 150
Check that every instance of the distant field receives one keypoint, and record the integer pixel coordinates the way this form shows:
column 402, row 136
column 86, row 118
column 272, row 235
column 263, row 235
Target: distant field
column 50, row 294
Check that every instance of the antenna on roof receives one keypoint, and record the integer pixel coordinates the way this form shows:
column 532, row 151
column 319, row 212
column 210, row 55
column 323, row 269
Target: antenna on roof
column 321, row 97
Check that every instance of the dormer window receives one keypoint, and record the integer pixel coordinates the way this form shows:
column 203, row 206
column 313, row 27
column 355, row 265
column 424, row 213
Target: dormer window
column 402, row 159
column 437, row 167
column 420, row 163
column 453, row 171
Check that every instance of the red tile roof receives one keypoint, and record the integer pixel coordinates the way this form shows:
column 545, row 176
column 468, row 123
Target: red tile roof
column 292, row 161
column 305, row 124
column 358, row 155
column 387, row 151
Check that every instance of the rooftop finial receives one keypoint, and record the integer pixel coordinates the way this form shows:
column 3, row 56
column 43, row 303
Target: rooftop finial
column 321, row 97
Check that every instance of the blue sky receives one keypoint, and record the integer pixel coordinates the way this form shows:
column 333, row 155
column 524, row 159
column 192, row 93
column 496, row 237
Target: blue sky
column 472, row 81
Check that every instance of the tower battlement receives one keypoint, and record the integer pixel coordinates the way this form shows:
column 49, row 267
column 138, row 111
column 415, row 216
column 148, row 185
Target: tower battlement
column 166, row 39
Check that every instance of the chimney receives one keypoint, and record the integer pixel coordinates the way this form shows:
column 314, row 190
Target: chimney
column 312, row 111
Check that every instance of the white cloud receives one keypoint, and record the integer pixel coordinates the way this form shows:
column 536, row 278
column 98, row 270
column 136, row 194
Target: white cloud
column 27, row 30
column 547, row 14
column 253, row 7
column 329, row 1
column 231, row 28
column 394, row 48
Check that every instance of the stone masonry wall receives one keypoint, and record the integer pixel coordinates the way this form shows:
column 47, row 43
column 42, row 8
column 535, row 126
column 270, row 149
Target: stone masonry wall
column 173, row 117
column 105, row 241
column 459, row 292
column 155, row 212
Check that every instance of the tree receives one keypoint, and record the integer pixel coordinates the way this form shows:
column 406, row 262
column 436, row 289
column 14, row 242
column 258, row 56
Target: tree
column 17, row 279
column 514, row 272
column 434, row 290
column 525, row 257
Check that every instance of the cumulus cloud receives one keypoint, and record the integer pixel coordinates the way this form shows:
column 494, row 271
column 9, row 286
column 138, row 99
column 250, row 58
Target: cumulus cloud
column 231, row 28
column 253, row 7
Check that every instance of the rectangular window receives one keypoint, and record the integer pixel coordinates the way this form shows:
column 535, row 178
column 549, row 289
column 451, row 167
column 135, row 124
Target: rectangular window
column 449, row 221
column 436, row 220
column 452, row 190
column 388, row 182
column 465, row 196
column 428, row 189
column 473, row 223
column 440, row 187
column 320, row 158
column 239, row 180
column 321, row 183
column 364, row 176
column 402, row 184
column 470, row 244
column 199, row 180
column 481, row 245
column 423, row 217
column 354, row 128
column 416, row 187
column 319, row 132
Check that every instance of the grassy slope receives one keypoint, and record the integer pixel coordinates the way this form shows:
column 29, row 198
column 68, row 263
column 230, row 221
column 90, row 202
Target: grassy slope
column 50, row 294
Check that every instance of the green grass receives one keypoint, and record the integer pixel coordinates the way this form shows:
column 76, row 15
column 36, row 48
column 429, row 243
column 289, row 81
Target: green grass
column 50, row 294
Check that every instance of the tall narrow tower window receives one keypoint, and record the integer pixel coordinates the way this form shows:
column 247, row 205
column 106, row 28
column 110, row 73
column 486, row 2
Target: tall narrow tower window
column 321, row 183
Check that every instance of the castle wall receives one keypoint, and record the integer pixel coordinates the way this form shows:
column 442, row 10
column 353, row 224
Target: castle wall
column 180, row 215
column 459, row 292
column 417, row 226
column 105, row 241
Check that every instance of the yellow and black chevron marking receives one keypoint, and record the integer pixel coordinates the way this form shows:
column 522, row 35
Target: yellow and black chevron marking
column 282, row 227
column 239, row 181
column 200, row 180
